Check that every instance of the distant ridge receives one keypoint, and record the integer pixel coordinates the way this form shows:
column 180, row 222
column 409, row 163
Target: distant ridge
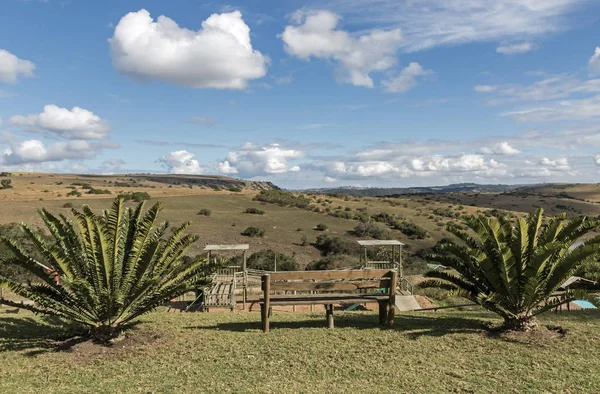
column 390, row 191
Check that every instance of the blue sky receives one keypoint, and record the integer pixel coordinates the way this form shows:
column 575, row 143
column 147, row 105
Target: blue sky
column 304, row 94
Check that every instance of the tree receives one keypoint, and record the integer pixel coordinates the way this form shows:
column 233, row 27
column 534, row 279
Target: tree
column 513, row 267
column 106, row 270
column 5, row 184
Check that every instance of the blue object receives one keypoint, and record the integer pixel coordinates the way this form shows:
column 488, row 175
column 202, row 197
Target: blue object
column 584, row 304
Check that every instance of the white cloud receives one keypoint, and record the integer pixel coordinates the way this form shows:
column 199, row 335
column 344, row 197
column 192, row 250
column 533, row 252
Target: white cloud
column 77, row 123
column 429, row 23
column 594, row 62
column 11, row 67
column 35, row 151
column 204, row 121
column 501, row 148
column 181, row 162
column 316, row 34
column 513, row 49
column 111, row 165
column 407, row 79
column 560, row 164
column 597, row 159
column 253, row 160
column 582, row 109
column 329, row 179
column 219, row 55
column 485, row 88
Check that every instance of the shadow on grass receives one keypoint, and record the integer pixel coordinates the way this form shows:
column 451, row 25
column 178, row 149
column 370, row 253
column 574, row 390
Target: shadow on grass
column 23, row 333
column 414, row 325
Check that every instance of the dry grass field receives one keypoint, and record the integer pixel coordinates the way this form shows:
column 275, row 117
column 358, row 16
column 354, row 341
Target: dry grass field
column 183, row 196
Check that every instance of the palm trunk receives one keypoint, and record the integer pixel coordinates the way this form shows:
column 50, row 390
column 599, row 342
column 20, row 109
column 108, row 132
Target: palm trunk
column 525, row 322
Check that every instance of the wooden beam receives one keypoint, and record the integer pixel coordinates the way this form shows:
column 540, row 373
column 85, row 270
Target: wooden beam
column 392, row 301
column 329, row 275
column 331, row 286
column 329, row 312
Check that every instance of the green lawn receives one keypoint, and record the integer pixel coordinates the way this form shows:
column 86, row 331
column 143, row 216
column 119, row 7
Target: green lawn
column 225, row 352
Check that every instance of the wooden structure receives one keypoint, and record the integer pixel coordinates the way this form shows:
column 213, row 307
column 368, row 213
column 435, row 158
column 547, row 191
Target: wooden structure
column 396, row 254
column 335, row 287
column 221, row 292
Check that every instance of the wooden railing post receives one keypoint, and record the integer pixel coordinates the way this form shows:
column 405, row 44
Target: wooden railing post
column 392, row 300
column 266, row 305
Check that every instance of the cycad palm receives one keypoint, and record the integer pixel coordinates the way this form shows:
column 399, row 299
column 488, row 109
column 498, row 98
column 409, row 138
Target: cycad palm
column 107, row 269
column 513, row 267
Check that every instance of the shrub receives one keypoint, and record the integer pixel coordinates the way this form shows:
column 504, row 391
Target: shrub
column 204, row 212
column 370, row 229
column 334, row 262
column 410, row 229
column 265, row 260
column 98, row 191
column 135, row 196
column 67, row 205
column 5, row 184
column 253, row 232
column 321, row 227
column 74, row 192
column 329, row 245
column 254, row 211
column 235, row 189
column 86, row 282
column 283, row 198
column 304, row 240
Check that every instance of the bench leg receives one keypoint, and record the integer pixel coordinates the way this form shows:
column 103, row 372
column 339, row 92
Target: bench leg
column 329, row 311
column 391, row 310
column 383, row 313
column 264, row 313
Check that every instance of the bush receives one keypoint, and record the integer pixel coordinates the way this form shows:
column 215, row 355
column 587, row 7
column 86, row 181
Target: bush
column 135, row 196
column 74, row 192
column 370, row 229
column 283, row 198
column 384, row 217
column 334, row 262
column 265, row 260
column 328, row 245
column 321, row 227
column 410, row 229
column 67, row 205
column 444, row 212
column 304, row 240
column 5, row 184
column 235, row 189
column 253, row 232
column 98, row 191
column 254, row 211
column 204, row 212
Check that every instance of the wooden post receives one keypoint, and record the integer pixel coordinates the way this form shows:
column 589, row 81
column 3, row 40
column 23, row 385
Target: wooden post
column 244, row 291
column 266, row 305
column 366, row 258
column 400, row 259
column 329, row 312
column 382, row 312
column 392, row 300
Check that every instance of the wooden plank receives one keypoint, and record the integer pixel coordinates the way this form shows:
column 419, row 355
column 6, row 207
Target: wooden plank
column 329, row 275
column 266, row 306
column 331, row 286
column 227, row 247
column 377, row 242
column 315, row 299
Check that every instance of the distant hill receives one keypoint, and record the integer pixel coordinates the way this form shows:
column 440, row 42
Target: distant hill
column 391, row 191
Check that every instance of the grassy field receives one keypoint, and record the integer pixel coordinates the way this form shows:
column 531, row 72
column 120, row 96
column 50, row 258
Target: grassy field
column 225, row 352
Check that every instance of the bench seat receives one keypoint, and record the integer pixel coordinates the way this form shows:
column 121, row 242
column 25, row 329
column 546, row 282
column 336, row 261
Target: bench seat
column 325, row 299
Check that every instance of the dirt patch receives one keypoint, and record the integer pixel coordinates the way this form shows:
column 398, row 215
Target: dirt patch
column 424, row 302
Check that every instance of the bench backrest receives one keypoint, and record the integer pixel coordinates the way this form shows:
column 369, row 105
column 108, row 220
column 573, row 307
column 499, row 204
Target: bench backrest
column 336, row 280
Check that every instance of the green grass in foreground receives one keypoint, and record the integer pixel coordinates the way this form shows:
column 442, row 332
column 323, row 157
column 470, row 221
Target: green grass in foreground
column 225, row 352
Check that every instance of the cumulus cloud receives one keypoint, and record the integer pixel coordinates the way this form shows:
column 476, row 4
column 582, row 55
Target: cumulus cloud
column 181, row 162
column 203, row 121
column 501, row 148
column 594, row 62
column 578, row 109
column 219, row 55
column 513, row 49
column 11, row 67
column 485, row 88
column 77, row 123
column 597, row 159
column 35, row 151
column 407, row 79
column 253, row 160
column 316, row 34
column 560, row 164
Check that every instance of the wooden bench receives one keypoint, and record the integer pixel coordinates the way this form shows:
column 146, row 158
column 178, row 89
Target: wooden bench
column 336, row 287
